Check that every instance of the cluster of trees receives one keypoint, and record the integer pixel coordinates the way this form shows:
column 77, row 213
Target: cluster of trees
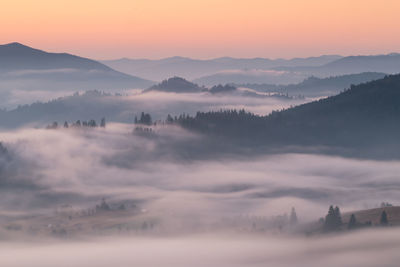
column 104, row 206
column 145, row 119
column 222, row 89
column 90, row 123
column 333, row 221
column 386, row 204
column 354, row 224
column 232, row 123
column 284, row 220
column 281, row 222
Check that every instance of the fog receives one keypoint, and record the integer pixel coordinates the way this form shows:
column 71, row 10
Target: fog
column 378, row 248
column 201, row 201
column 123, row 107
column 175, row 171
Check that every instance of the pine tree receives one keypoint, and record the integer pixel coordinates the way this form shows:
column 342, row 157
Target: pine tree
column 329, row 219
column 293, row 217
column 338, row 217
column 92, row 123
column 333, row 220
column 169, row 119
column 104, row 205
column 103, row 123
column 352, row 222
column 384, row 220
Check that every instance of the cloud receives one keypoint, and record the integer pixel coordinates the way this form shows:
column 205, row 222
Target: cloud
column 192, row 198
column 123, row 108
column 82, row 166
column 367, row 248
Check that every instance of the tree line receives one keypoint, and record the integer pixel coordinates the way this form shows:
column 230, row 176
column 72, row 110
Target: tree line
column 90, row 123
column 333, row 221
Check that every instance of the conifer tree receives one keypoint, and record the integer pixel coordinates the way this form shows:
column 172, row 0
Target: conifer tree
column 333, row 220
column 384, row 220
column 293, row 217
column 103, row 122
column 338, row 217
column 352, row 222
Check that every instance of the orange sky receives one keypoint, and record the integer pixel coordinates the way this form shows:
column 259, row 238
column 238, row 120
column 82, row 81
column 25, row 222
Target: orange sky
column 203, row 28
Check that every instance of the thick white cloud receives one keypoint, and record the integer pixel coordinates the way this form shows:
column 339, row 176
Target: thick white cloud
column 367, row 248
column 79, row 167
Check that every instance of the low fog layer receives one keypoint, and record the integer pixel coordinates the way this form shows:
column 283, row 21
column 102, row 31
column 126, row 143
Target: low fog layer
column 367, row 248
column 177, row 173
column 123, row 108
column 191, row 193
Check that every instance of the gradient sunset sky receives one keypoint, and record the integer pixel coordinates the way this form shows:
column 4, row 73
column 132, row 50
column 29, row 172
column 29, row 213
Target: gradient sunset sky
column 203, row 28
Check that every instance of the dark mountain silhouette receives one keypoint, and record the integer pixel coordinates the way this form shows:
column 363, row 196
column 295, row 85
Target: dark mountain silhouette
column 15, row 56
column 194, row 68
column 364, row 119
column 314, row 86
column 23, row 67
column 176, row 85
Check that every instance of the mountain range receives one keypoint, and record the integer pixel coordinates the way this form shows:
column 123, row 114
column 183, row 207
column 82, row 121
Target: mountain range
column 317, row 87
column 26, row 68
column 211, row 72
column 195, row 68
column 389, row 63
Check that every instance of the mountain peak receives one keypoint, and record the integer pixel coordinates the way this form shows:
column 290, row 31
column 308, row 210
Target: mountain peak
column 16, row 45
column 176, row 85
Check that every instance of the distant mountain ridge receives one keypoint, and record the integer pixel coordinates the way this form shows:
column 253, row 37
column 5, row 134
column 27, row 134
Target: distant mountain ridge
column 389, row 63
column 314, row 86
column 224, row 70
column 16, row 56
column 190, row 69
column 26, row 68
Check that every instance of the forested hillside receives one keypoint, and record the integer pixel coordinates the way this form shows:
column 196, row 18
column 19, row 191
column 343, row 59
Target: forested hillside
column 367, row 115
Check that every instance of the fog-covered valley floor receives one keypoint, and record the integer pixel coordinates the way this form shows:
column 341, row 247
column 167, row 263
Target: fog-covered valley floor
column 367, row 248
column 163, row 199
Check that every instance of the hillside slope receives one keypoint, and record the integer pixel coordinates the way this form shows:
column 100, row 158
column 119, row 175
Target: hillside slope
column 366, row 116
column 26, row 68
column 314, row 86
column 176, row 85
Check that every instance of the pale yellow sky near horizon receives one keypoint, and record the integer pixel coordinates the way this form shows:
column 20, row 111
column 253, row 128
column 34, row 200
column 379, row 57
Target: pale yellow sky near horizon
column 203, row 28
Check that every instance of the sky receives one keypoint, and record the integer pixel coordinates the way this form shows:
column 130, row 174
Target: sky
column 104, row 29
